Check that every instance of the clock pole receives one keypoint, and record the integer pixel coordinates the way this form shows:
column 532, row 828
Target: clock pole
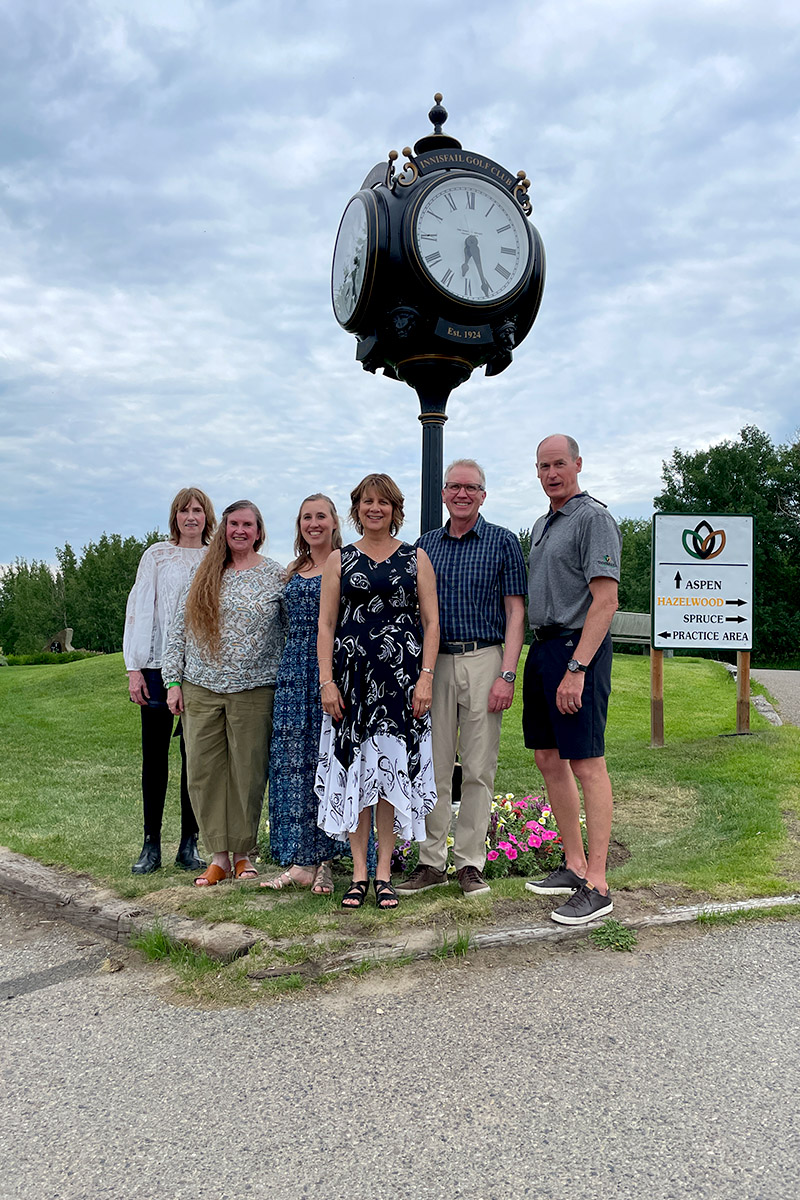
column 433, row 378
column 437, row 270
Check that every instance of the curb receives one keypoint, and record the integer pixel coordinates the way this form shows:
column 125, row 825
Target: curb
column 74, row 898
column 760, row 703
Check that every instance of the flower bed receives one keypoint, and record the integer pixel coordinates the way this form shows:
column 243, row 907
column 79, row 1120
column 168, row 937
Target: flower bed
column 522, row 840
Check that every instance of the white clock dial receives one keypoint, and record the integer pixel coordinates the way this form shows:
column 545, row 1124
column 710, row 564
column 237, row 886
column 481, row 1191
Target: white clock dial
column 350, row 257
column 472, row 240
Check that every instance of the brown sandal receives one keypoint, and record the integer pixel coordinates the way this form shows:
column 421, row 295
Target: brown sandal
column 211, row 876
column 244, row 869
column 323, row 880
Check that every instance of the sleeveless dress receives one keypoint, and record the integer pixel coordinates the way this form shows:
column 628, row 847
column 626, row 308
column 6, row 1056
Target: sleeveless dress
column 294, row 836
column 378, row 748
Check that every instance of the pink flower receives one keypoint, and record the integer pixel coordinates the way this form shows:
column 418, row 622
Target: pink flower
column 548, row 835
column 533, row 826
column 522, row 804
column 492, row 855
column 504, row 846
column 534, row 842
column 511, row 838
column 511, row 854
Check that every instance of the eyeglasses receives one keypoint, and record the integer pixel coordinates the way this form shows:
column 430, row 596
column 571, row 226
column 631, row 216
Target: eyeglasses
column 471, row 489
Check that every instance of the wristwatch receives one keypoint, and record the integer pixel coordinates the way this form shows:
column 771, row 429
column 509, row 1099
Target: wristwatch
column 509, row 676
column 573, row 665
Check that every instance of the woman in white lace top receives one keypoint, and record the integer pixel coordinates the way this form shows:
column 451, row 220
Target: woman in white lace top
column 164, row 572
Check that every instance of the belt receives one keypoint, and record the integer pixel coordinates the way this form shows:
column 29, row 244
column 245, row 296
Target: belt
column 545, row 633
column 465, row 647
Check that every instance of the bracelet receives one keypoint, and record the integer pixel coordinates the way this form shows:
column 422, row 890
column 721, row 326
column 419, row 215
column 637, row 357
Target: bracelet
column 175, row 684
column 427, row 670
column 325, row 684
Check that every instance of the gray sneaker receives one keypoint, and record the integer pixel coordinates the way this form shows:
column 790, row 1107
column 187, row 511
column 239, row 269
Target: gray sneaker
column 561, row 882
column 421, row 879
column 472, row 882
column 586, row 905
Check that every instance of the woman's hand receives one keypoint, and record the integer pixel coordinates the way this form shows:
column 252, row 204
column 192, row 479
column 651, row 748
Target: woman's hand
column 423, row 695
column 332, row 702
column 138, row 688
column 175, row 701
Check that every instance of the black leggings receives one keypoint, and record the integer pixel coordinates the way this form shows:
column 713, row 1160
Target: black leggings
column 157, row 723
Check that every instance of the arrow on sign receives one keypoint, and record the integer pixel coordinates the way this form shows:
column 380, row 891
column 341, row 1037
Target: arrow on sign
column 738, row 603
column 677, row 579
column 665, row 634
column 737, row 619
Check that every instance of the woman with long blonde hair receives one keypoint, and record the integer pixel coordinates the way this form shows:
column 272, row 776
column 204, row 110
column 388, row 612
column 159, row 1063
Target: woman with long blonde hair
column 220, row 671
column 295, row 839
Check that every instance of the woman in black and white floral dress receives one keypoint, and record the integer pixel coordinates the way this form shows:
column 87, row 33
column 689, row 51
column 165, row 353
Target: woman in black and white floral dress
column 377, row 647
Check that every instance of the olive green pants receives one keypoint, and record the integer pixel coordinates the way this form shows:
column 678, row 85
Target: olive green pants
column 227, row 752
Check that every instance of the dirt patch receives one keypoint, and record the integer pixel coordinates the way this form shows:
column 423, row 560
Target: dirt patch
column 656, row 811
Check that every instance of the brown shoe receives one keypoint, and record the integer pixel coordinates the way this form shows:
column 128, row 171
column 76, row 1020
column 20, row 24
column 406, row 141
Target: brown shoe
column 472, row 882
column 421, row 879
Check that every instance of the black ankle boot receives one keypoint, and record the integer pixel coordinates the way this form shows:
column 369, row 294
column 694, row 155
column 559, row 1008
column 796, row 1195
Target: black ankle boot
column 187, row 857
column 150, row 858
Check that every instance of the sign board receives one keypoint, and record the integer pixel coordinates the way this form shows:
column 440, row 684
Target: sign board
column 702, row 582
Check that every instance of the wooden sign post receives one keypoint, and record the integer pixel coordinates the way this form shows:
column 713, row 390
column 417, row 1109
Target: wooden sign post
column 656, row 697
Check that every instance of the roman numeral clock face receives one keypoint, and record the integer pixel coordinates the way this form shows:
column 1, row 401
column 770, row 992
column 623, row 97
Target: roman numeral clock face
column 471, row 240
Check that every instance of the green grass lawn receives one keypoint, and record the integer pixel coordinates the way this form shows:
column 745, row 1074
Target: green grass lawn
column 708, row 812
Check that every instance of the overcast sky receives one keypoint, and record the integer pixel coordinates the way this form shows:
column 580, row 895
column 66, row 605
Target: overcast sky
column 172, row 174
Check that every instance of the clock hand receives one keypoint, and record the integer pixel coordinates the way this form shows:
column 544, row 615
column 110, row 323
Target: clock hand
column 467, row 253
column 475, row 252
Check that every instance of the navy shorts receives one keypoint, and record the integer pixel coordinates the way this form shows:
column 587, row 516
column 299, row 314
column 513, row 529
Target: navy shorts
column 576, row 735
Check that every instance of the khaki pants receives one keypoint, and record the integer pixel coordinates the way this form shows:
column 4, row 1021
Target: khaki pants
column 227, row 751
column 461, row 722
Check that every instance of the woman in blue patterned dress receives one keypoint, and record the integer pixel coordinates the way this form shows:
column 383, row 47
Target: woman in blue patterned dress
column 295, row 839
column 377, row 646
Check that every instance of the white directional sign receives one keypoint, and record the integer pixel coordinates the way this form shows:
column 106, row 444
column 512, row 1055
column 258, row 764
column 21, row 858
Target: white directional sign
column 702, row 582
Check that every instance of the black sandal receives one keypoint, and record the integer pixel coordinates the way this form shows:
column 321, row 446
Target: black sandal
column 357, row 891
column 385, row 892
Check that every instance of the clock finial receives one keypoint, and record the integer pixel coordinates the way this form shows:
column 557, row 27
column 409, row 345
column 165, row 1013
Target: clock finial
column 438, row 114
column 437, row 140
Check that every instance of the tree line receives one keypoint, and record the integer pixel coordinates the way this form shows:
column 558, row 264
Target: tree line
column 747, row 475
column 87, row 594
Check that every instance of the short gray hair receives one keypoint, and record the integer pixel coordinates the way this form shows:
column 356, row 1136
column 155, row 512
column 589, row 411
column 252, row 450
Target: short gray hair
column 467, row 462
column 572, row 445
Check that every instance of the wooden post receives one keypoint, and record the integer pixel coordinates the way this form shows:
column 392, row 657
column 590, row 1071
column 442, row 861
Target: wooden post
column 656, row 697
column 742, row 691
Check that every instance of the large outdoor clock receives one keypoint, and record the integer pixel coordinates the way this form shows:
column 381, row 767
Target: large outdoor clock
column 437, row 270
column 470, row 239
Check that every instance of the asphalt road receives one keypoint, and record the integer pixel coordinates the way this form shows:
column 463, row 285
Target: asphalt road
column 785, row 687
column 562, row 1074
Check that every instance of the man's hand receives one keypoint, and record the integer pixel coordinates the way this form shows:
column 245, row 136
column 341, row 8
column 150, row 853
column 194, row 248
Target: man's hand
column 501, row 696
column 570, row 692
column 175, row 701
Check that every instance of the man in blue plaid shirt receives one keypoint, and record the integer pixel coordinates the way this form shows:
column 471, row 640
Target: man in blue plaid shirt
column 481, row 581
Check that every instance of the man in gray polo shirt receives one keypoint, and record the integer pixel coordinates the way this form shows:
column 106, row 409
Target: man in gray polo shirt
column 572, row 596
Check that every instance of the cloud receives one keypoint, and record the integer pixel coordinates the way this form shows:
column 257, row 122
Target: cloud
column 171, row 181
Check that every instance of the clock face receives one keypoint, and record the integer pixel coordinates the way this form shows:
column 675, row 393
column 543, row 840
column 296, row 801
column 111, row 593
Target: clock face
column 471, row 239
column 351, row 258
